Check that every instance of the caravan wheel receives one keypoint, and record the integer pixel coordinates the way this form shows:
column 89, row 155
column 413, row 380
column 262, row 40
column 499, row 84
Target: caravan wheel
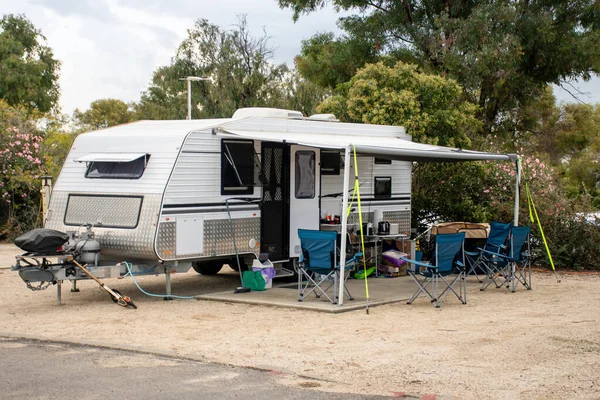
column 211, row 267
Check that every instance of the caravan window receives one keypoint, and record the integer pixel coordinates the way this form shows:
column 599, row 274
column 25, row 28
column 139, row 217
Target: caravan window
column 237, row 166
column 383, row 187
column 133, row 169
column 382, row 161
column 305, row 174
column 330, row 162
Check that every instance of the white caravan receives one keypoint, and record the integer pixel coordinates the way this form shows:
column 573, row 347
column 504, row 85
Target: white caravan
column 168, row 195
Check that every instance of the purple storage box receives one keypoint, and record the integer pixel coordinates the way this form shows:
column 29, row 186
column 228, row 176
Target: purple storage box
column 392, row 257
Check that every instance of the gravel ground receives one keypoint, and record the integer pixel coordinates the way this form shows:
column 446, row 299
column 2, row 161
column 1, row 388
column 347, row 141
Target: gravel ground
column 539, row 344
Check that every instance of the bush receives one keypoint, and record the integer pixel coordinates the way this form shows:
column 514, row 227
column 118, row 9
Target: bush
column 20, row 169
column 484, row 191
column 574, row 243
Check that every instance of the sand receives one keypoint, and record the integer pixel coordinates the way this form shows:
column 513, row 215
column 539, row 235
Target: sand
column 539, row 344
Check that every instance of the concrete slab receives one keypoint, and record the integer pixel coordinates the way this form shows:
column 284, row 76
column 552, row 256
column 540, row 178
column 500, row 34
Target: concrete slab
column 381, row 291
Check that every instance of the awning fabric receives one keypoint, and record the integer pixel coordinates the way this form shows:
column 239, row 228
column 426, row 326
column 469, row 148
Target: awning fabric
column 110, row 157
column 388, row 147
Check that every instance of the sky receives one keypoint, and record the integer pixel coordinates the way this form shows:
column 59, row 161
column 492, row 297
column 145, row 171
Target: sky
column 109, row 48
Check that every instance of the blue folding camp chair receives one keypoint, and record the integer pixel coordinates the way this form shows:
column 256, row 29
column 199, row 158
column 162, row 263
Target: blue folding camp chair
column 319, row 264
column 495, row 243
column 521, row 263
column 511, row 268
column 449, row 249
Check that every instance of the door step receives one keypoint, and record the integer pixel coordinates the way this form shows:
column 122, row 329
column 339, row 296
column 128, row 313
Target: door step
column 281, row 271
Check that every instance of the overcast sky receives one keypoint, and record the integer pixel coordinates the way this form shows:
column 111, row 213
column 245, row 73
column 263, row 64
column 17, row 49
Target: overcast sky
column 109, row 48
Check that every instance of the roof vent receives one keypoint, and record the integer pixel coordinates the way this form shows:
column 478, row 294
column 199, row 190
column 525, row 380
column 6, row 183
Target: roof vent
column 263, row 112
column 323, row 117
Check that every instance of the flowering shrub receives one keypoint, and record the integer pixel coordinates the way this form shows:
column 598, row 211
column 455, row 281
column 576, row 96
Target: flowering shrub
column 20, row 169
column 540, row 178
column 572, row 242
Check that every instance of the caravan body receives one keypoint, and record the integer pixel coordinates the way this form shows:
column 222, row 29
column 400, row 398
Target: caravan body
column 177, row 193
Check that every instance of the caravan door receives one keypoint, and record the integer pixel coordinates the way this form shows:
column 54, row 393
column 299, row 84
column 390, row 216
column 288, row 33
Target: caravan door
column 275, row 201
column 304, row 193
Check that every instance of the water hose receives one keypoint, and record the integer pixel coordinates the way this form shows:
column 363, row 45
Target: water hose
column 130, row 273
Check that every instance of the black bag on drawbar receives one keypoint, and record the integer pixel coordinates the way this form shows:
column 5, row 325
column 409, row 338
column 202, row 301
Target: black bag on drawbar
column 42, row 241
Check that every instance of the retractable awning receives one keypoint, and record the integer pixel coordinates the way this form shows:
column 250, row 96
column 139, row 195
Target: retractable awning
column 389, row 147
column 110, row 157
column 386, row 142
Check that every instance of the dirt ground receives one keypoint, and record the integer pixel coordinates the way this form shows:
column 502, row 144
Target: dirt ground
column 539, row 344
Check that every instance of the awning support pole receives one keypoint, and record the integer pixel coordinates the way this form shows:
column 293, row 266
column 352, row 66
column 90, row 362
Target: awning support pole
column 518, row 183
column 344, row 225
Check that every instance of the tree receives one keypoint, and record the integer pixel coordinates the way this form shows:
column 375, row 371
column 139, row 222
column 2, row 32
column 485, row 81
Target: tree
column 502, row 53
column 576, row 145
column 576, row 129
column 329, row 62
column 432, row 108
column 102, row 114
column 302, row 95
column 166, row 98
column 239, row 66
column 28, row 69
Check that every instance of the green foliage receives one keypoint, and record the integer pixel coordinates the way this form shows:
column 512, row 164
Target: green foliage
column 577, row 128
column 20, row 168
column 570, row 135
column 102, row 114
column 430, row 107
column 582, row 178
column 573, row 242
column 302, row 95
column 568, row 131
column 28, row 69
column 502, row 53
column 166, row 98
column 55, row 147
column 449, row 192
column 329, row 62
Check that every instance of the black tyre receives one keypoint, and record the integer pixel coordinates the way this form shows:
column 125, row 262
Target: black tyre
column 234, row 265
column 208, row 267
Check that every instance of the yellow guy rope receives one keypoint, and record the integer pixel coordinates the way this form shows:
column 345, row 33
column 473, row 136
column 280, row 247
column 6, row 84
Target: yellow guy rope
column 531, row 206
column 356, row 194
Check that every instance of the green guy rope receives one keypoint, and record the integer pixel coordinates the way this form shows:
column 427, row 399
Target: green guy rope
column 356, row 194
column 531, row 206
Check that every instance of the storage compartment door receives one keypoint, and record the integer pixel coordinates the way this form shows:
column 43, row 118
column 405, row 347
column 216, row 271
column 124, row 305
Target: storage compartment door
column 189, row 235
column 304, row 193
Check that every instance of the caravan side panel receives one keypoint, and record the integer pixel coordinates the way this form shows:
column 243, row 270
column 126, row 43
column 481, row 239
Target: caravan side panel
column 396, row 208
column 194, row 191
column 124, row 212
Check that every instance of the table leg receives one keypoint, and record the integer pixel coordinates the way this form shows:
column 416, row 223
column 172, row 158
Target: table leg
column 376, row 257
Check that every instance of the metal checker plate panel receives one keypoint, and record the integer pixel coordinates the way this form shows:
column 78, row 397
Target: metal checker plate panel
column 116, row 242
column 402, row 218
column 217, row 238
column 366, row 217
column 109, row 211
column 166, row 243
